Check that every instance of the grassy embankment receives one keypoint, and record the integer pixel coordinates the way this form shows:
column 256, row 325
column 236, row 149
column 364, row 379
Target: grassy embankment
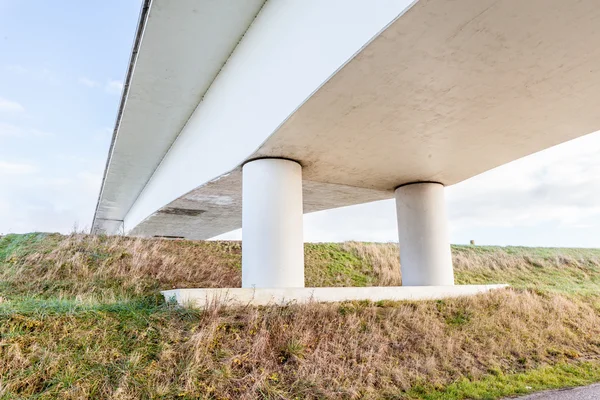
column 80, row 317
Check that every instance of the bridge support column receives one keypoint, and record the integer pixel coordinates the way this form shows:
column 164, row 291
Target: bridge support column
column 272, row 233
column 425, row 255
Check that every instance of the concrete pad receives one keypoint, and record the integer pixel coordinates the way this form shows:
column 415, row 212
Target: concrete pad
column 250, row 296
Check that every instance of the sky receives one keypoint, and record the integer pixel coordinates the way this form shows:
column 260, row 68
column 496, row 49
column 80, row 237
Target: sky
column 62, row 66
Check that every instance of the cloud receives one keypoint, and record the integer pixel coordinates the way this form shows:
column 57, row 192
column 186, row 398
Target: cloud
column 39, row 74
column 4, row 207
column 8, row 168
column 114, row 87
column 90, row 181
column 49, row 204
column 17, row 69
column 88, row 82
column 103, row 135
column 559, row 185
column 10, row 130
column 8, row 106
column 111, row 86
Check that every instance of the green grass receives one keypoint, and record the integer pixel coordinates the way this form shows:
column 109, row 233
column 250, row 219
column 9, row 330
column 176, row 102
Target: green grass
column 81, row 317
column 499, row 385
column 336, row 266
column 571, row 271
column 19, row 245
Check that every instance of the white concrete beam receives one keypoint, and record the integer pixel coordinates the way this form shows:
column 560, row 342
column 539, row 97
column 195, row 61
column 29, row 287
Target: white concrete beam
column 179, row 50
column 446, row 92
column 290, row 50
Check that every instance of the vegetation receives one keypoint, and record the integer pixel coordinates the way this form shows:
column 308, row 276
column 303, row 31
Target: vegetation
column 81, row 317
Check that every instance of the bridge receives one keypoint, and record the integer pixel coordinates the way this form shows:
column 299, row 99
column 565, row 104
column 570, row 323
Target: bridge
column 249, row 113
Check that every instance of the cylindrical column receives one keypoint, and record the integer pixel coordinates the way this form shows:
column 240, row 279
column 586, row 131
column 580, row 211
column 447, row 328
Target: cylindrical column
column 425, row 256
column 272, row 234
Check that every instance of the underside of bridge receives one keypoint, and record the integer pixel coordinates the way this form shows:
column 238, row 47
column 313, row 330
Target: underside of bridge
column 251, row 113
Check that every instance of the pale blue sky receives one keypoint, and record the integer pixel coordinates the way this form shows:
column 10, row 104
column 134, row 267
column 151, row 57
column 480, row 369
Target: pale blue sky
column 62, row 64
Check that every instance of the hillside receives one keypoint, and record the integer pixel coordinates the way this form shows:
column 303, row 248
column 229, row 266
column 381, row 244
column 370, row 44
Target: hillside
column 81, row 317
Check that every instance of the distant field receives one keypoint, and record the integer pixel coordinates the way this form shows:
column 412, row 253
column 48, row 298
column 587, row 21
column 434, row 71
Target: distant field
column 81, row 317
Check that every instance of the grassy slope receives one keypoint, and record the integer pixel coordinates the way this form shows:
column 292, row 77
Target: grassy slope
column 80, row 318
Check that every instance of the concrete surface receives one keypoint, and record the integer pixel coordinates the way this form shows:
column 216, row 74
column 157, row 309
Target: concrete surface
column 446, row 91
column 213, row 80
column 242, row 296
column 221, row 203
column 582, row 393
column 273, row 251
column 425, row 256
column 168, row 83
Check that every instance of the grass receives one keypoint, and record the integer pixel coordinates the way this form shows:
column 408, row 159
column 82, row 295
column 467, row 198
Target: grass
column 499, row 385
column 80, row 317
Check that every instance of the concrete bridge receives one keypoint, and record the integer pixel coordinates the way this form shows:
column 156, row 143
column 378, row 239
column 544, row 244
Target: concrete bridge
column 251, row 112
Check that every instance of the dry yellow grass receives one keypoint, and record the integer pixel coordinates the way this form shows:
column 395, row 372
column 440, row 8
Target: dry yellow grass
column 112, row 268
column 355, row 350
column 106, row 268
column 337, row 351
column 111, row 337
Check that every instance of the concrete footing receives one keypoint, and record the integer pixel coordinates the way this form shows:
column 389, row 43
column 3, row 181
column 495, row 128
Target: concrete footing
column 244, row 296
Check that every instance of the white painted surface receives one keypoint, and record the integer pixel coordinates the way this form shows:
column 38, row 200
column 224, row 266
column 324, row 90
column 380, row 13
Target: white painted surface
column 272, row 235
column 290, row 50
column 236, row 296
column 220, row 203
column 447, row 91
column 425, row 256
column 184, row 45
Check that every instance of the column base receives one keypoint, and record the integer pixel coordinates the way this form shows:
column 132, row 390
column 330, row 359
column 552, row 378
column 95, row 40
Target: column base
column 204, row 298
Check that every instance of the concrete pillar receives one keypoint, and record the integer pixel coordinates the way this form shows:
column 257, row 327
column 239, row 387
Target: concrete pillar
column 272, row 234
column 425, row 256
